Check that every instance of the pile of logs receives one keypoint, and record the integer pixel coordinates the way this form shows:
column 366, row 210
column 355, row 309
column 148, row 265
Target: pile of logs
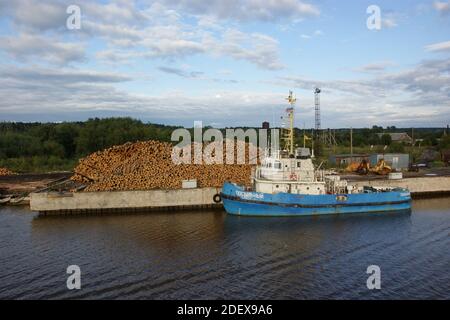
column 5, row 172
column 149, row 165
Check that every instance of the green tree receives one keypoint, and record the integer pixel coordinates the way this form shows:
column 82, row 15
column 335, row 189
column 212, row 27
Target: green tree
column 66, row 135
column 444, row 143
column 374, row 140
column 396, row 147
column 386, row 139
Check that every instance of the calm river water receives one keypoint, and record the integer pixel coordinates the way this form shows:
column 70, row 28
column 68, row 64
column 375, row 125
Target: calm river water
column 209, row 255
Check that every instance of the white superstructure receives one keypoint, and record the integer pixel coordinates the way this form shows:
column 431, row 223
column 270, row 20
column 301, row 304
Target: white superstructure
column 280, row 172
column 292, row 170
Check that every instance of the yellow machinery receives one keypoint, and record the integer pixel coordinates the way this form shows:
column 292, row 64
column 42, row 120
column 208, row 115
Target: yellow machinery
column 381, row 168
column 362, row 168
column 288, row 133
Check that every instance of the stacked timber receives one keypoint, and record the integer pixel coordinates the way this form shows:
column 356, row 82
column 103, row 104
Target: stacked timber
column 5, row 172
column 148, row 165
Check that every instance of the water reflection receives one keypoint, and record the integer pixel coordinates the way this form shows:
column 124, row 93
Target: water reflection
column 164, row 233
column 182, row 230
column 436, row 204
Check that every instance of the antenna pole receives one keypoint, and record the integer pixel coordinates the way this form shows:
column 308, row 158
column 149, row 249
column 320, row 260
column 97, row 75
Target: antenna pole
column 317, row 110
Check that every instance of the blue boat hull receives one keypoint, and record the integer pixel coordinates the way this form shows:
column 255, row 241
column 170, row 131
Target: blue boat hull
column 240, row 202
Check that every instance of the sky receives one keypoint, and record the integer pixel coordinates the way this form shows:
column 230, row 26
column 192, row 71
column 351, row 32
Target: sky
column 226, row 63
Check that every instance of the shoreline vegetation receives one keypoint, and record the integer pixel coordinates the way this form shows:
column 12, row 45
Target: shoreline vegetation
column 47, row 147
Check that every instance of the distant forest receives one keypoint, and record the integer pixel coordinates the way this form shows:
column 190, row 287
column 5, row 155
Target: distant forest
column 38, row 147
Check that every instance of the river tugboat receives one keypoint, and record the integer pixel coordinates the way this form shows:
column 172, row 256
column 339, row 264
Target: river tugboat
column 286, row 183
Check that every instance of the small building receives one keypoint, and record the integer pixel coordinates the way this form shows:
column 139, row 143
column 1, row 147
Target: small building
column 397, row 161
column 398, row 137
column 343, row 160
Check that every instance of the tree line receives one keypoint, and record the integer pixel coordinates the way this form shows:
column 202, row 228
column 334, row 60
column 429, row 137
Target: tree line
column 32, row 147
column 37, row 147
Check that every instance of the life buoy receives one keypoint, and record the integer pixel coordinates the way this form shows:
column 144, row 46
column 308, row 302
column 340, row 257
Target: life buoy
column 217, row 198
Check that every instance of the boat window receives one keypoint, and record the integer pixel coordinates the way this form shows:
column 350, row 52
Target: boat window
column 277, row 165
column 298, row 164
column 270, row 165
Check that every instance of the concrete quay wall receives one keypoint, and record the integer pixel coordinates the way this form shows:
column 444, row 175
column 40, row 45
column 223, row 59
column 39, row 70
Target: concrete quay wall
column 418, row 186
column 53, row 202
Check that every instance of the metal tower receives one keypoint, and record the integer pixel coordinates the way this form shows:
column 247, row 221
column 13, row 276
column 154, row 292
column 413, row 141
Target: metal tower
column 317, row 109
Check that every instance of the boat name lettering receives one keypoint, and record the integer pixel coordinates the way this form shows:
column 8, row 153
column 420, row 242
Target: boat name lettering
column 249, row 195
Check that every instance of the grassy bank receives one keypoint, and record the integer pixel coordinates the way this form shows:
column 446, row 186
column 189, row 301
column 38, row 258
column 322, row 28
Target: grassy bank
column 38, row 164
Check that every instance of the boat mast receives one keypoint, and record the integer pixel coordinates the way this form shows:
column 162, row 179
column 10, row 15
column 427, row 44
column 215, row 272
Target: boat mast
column 288, row 134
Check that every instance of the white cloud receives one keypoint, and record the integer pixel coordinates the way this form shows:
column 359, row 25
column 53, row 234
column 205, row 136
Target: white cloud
column 375, row 66
column 60, row 76
column 248, row 10
column 441, row 46
column 27, row 46
column 30, row 16
column 417, row 95
column 180, row 40
column 185, row 72
column 316, row 33
column 430, row 76
column 257, row 48
column 66, row 94
column 181, row 72
column 442, row 7
column 119, row 12
column 389, row 20
column 133, row 32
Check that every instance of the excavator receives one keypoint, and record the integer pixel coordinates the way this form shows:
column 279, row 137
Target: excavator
column 381, row 168
column 362, row 167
